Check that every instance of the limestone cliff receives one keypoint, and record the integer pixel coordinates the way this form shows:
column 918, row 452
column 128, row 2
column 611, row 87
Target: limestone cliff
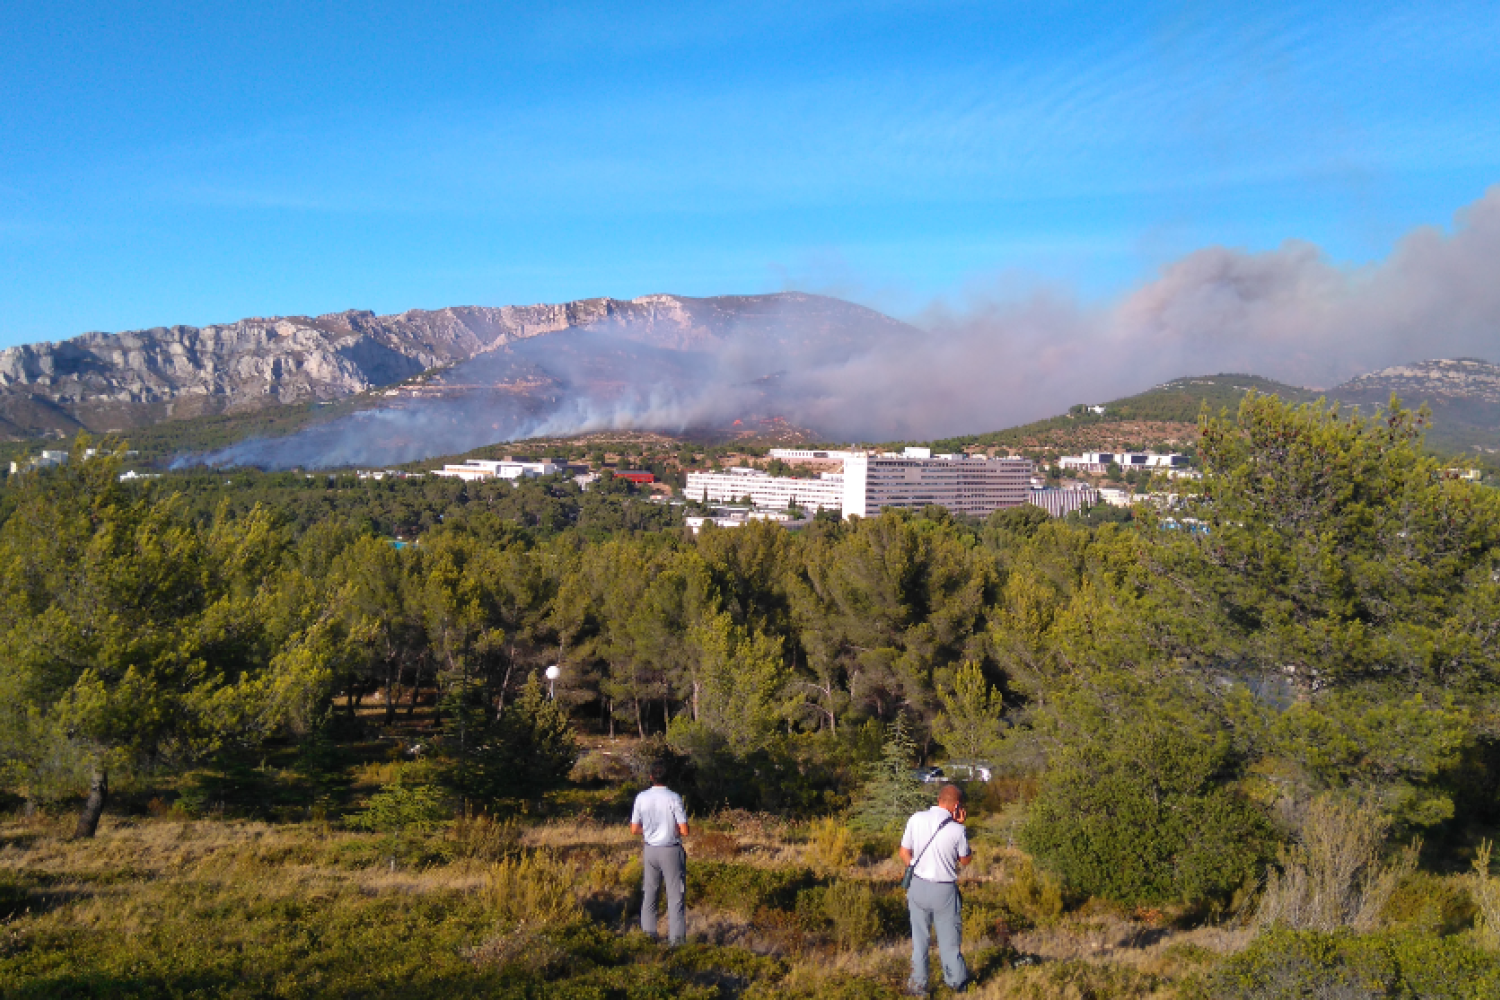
column 103, row 381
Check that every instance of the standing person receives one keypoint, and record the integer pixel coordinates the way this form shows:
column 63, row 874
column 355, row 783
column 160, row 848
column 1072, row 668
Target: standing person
column 659, row 817
column 936, row 845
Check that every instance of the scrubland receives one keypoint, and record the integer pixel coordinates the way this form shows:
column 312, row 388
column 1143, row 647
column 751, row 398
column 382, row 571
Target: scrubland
column 546, row 904
column 170, row 906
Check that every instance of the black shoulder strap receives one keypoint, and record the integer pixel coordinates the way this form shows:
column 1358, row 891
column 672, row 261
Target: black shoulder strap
column 945, row 822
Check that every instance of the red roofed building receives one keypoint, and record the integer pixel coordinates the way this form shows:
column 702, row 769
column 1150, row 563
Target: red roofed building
column 639, row 478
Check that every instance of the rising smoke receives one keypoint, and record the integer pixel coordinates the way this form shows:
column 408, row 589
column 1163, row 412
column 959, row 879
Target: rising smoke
column 1290, row 314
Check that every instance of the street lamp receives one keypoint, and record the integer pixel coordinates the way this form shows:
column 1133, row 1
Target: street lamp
column 553, row 673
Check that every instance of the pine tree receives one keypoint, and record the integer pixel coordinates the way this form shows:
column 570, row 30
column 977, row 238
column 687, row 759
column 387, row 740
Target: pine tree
column 891, row 792
column 969, row 726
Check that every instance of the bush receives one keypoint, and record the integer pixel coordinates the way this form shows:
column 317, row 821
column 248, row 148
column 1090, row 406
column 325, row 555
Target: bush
column 1286, row 963
column 744, row 889
column 406, row 805
column 716, row 844
column 1484, row 891
column 484, row 838
column 599, row 767
column 1429, row 904
column 1134, row 811
column 1333, row 876
column 1031, row 895
column 850, row 907
column 535, row 890
column 832, row 845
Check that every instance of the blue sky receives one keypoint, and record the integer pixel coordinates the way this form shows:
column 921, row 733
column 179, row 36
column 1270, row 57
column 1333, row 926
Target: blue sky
column 192, row 163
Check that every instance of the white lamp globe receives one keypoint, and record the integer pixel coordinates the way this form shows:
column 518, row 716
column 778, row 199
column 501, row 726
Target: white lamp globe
column 553, row 673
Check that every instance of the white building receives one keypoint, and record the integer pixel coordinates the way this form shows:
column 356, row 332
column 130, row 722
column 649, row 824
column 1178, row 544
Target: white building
column 476, row 468
column 871, row 483
column 1100, row 461
column 915, row 479
column 806, row 455
column 1059, row 502
column 765, row 490
column 739, row 518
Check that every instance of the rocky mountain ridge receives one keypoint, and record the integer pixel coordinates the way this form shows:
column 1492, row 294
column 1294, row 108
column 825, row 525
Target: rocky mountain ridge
column 103, row 381
column 1463, row 395
column 1440, row 378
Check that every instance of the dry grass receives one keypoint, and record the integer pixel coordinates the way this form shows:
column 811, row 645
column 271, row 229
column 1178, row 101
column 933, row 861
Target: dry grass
column 517, row 880
column 1334, row 876
column 1484, row 889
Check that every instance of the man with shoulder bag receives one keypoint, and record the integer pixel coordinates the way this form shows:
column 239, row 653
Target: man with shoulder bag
column 935, row 846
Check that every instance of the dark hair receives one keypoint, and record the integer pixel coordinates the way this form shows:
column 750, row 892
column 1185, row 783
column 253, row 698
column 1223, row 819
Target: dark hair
column 658, row 772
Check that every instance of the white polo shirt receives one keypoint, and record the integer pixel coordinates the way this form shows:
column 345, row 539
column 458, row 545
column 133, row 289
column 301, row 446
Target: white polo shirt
column 939, row 862
column 658, row 810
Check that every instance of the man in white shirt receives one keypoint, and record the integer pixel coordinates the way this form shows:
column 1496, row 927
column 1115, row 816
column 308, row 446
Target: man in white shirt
column 935, row 840
column 660, row 818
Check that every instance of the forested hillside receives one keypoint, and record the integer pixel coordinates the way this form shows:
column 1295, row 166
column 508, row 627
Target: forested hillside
column 1164, row 417
column 1270, row 712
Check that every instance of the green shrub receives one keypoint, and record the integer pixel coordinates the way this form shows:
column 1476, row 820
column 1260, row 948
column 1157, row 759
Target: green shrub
column 744, row 889
column 533, row 891
column 832, row 845
column 1428, row 903
column 850, row 907
column 484, row 838
column 1284, row 963
column 1033, row 896
column 1136, row 813
column 402, row 806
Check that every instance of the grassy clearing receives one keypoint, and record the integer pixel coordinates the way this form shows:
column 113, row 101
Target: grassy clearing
column 168, row 907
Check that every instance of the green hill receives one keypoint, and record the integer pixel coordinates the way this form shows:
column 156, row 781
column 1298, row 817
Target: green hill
column 1181, row 400
column 1165, row 416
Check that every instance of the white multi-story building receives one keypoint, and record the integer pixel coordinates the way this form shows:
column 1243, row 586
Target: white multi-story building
column 964, row 484
column 764, row 490
column 476, row 468
column 1100, row 461
column 1059, row 502
column 871, row 483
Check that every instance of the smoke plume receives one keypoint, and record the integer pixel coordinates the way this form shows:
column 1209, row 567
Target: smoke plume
column 1290, row 314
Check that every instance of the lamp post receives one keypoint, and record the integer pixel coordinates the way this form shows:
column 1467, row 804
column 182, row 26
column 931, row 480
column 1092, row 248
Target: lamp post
column 552, row 674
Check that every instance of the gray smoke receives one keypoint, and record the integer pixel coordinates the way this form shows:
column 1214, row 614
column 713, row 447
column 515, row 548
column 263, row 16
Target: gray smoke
column 1290, row 314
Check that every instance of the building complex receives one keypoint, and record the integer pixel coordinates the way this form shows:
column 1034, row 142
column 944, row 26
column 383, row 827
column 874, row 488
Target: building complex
column 1100, row 461
column 476, row 468
column 871, row 483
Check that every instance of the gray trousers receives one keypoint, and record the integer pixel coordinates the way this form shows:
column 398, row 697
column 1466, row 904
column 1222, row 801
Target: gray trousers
column 665, row 865
column 936, row 905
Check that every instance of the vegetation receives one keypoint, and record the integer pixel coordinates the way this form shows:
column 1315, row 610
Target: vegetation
column 1242, row 748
